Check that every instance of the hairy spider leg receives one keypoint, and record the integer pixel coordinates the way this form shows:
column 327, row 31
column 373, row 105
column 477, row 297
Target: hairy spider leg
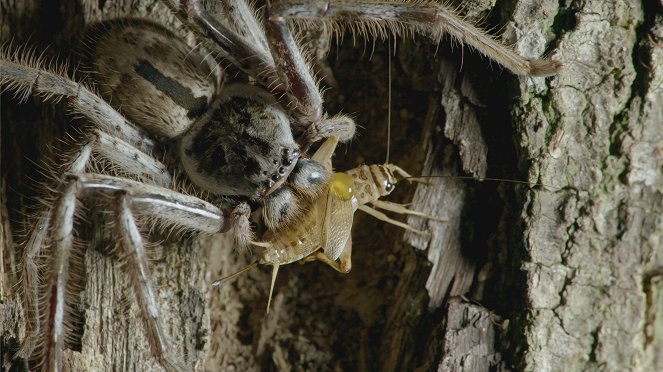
column 119, row 142
column 382, row 18
column 159, row 204
column 280, row 69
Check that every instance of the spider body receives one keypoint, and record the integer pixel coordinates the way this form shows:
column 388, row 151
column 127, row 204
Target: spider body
column 231, row 139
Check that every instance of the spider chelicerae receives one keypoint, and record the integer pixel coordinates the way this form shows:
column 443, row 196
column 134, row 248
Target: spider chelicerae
column 157, row 91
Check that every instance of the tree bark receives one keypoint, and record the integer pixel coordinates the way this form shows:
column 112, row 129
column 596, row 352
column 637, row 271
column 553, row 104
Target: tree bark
column 563, row 273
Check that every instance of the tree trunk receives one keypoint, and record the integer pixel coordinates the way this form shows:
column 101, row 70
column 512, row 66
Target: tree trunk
column 563, row 273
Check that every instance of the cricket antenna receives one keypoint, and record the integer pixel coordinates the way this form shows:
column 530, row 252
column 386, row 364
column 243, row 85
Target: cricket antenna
column 389, row 101
column 518, row 182
column 219, row 282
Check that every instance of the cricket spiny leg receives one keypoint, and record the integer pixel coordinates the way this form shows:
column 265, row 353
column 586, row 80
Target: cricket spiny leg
column 401, row 209
column 344, row 263
column 383, row 217
column 345, row 259
column 322, row 257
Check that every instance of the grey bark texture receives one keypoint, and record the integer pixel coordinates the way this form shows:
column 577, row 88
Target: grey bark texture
column 562, row 274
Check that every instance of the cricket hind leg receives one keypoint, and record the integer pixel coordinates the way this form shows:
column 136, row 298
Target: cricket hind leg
column 402, row 209
column 383, row 217
column 344, row 263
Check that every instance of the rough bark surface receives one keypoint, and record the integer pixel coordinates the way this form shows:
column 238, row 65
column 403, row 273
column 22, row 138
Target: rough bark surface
column 469, row 339
column 568, row 274
column 594, row 135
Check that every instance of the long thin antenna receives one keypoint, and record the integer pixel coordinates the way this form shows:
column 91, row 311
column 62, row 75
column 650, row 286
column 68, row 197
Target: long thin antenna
column 389, row 102
column 531, row 184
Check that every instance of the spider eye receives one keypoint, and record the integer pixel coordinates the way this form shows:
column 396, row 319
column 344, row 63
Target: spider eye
column 388, row 186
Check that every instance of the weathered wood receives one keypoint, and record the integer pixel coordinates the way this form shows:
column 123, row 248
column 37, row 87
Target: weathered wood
column 469, row 339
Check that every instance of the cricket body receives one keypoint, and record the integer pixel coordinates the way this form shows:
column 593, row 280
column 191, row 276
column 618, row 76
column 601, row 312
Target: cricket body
column 323, row 231
column 328, row 223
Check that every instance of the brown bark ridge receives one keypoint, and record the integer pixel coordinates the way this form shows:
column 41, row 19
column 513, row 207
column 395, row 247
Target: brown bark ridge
column 562, row 274
column 593, row 241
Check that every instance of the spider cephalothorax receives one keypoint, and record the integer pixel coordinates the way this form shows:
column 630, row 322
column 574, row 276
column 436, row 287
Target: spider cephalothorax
column 232, row 139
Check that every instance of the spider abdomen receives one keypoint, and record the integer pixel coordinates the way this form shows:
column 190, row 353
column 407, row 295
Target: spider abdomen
column 150, row 75
column 234, row 139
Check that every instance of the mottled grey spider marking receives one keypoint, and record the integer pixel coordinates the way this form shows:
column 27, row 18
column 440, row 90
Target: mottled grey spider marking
column 244, row 148
column 150, row 75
